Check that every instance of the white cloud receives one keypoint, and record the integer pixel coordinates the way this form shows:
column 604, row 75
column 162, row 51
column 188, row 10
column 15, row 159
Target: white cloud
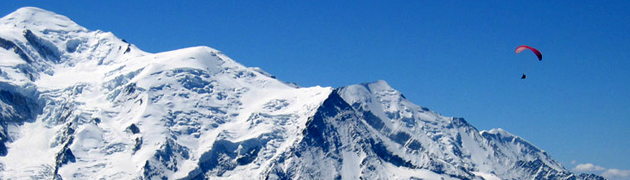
column 611, row 174
column 616, row 174
column 588, row 167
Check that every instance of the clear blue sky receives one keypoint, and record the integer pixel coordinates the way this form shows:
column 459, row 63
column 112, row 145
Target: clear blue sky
column 454, row 57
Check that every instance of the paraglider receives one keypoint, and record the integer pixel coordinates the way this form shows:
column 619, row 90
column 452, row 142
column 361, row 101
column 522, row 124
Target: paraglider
column 520, row 48
column 523, row 47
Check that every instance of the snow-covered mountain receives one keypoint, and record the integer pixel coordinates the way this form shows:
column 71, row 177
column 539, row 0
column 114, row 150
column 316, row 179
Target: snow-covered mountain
column 82, row 104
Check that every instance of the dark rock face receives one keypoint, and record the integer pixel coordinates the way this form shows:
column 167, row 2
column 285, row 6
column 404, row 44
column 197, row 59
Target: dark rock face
column 17, row 109
column 8, row 45
column 46, row 50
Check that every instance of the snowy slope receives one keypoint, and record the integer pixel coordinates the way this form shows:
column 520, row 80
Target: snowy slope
column 109, row 110
column 82, row 104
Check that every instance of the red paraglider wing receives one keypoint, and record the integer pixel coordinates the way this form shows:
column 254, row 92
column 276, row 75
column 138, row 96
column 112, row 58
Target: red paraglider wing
column 523, row 47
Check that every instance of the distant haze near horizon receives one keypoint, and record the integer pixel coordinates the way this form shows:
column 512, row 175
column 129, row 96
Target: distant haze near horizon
column 456, row 58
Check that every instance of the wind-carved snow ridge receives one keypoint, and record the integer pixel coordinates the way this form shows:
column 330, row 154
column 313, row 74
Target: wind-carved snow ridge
column 83, row 104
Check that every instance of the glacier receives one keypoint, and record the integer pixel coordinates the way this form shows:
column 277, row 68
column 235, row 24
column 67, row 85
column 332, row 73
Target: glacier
column 83, row 104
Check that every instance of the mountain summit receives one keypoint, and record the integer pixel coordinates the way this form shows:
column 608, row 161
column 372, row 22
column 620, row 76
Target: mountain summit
column 82, row 104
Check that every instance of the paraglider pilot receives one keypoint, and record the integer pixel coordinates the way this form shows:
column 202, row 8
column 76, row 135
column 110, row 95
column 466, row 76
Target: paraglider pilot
column 523, row 47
